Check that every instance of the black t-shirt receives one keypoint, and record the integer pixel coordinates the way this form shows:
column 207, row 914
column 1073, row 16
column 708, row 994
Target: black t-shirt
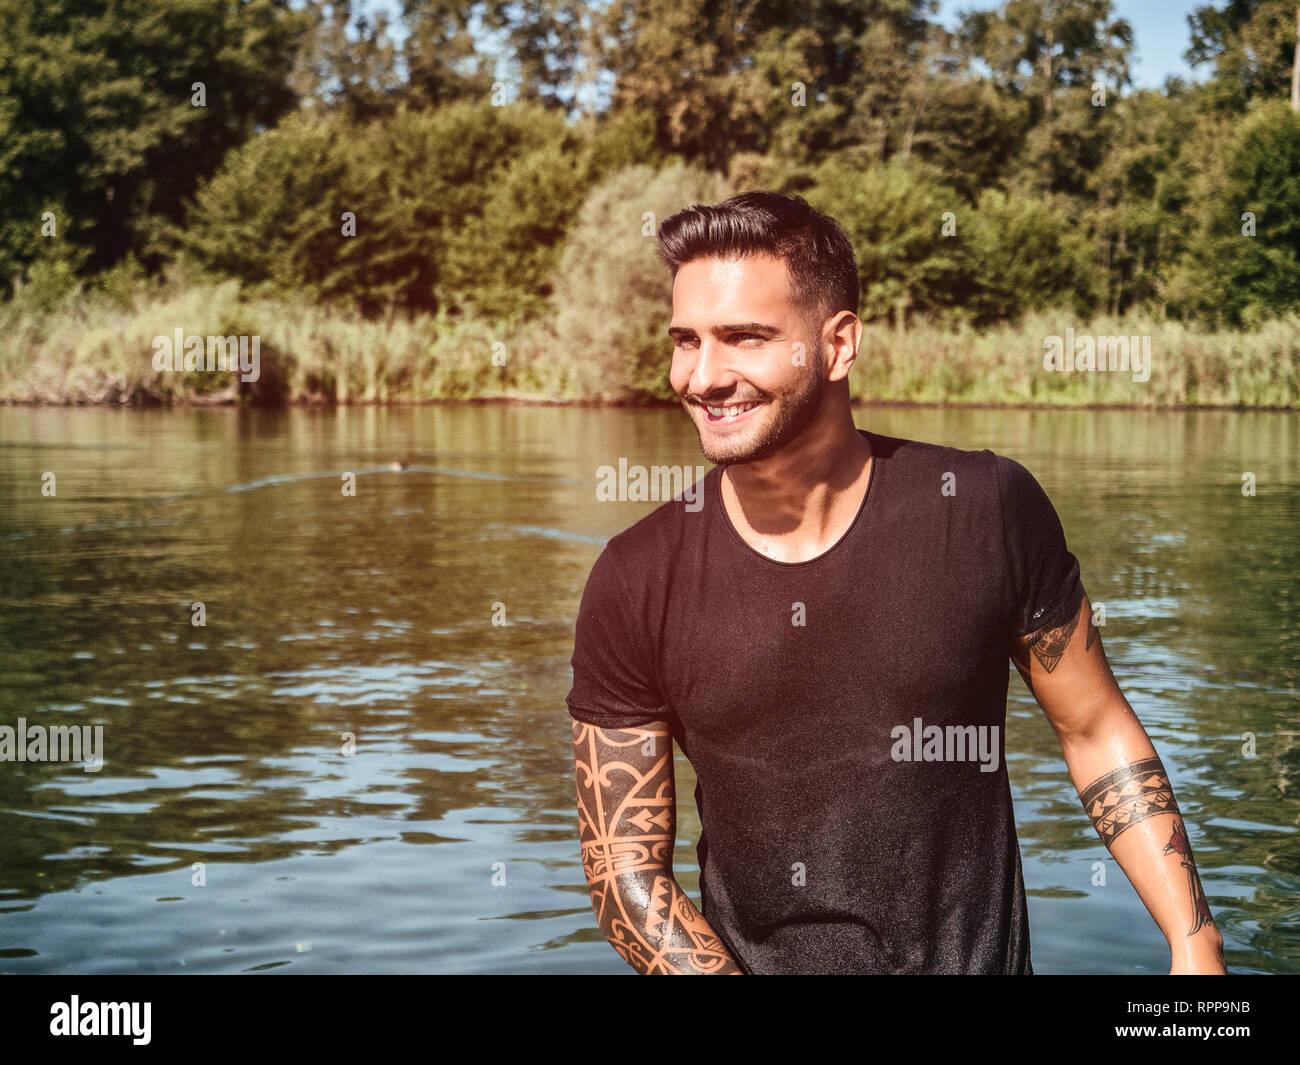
column 842, row 832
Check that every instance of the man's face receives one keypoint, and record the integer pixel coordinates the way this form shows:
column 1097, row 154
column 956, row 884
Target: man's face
column 741, row 348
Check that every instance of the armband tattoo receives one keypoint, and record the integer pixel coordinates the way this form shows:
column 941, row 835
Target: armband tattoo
column 1119, row 800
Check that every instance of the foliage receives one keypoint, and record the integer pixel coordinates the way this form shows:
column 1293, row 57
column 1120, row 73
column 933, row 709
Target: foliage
column 98, row 122
column 923, row 250
column 1251, row 45
column 1243, row 263
column 612, row 293
column 441, row 202
column 464, row 172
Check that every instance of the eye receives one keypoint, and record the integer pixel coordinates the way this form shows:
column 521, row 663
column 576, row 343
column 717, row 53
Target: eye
column 749, row 336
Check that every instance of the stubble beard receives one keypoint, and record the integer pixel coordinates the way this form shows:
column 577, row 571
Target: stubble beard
column 786, row 418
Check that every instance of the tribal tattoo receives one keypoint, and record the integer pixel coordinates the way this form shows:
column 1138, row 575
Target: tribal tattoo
column 1179, row 844
column 1048, row 645
column 1119, row 800
column 626, row 825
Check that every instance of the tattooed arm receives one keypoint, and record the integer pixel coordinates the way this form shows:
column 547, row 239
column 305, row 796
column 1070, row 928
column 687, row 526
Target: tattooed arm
column 627, row 820
column 1122, row 783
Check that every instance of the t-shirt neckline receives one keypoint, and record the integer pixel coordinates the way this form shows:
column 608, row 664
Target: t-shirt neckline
column 857, row 518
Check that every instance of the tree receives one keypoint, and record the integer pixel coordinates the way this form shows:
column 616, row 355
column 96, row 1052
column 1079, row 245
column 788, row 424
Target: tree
column 443, row 61
column 386, row 216
column 613, row 295
column 970, row 132
column 749, row 75
column 558, row 47
column 1039, row 47
column 1139, row 195
column 895, row 219
column 347, row 61
column 112, row 112
column 1023, row 254
column 270, row 217
column 502, row 262
column 1052, row 52
column 1244, row 259
column 923, row 250
column 1252, row 45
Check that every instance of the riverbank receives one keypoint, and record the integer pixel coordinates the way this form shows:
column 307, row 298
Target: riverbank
column 96, row 351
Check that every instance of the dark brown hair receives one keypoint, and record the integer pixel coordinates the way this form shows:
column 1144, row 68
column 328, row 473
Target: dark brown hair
column 816, row 251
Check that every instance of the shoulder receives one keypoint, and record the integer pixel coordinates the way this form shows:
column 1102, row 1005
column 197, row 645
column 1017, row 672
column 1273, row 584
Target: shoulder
column 971, row 473
column 1017, row 487
column 903, row 451
column 666, row 527
column 647, row 550
column 998, row 486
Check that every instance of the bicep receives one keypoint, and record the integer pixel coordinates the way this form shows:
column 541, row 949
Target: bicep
column 1065, row 668
column 626, row 799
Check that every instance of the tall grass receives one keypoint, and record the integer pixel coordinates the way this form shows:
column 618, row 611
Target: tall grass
column 1005, row 365
column 91, row 349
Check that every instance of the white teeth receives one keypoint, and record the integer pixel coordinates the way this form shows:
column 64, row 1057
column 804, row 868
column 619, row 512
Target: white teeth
column 727, row 412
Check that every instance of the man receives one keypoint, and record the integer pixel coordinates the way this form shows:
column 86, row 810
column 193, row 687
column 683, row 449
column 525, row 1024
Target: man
column 827, row 640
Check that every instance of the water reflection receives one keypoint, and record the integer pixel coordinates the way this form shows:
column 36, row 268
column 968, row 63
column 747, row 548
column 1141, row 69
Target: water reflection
column 230, row 829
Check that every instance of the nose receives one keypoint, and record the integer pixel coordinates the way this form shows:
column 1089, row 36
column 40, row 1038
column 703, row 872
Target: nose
column 710, row 373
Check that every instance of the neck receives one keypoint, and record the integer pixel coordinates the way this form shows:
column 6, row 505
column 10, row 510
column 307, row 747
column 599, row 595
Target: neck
column 801, row 493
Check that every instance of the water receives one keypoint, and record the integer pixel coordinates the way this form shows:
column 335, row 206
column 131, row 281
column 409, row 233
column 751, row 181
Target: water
column 447, row 841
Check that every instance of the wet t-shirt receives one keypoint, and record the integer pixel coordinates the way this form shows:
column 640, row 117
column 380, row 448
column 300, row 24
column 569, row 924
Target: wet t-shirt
column 845, row 715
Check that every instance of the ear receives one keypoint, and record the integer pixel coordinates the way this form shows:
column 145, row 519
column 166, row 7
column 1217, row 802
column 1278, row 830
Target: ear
column 845, row 337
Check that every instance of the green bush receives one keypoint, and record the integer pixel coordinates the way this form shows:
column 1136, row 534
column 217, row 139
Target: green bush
column 442, row 201
column 1023, row 256
column 923, row 250
column 1230, row 274
column 613, row 295
column 895, row 218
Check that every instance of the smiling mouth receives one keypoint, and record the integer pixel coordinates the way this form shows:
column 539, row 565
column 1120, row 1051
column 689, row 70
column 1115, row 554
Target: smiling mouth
column 729, row 412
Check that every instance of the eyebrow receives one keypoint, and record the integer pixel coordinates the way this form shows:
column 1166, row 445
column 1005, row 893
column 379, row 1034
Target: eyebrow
column 768, row 331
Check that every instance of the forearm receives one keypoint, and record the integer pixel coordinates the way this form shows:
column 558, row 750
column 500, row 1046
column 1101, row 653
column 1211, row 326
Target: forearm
column 1127, row 794
column 626, row 824
column 654, row 926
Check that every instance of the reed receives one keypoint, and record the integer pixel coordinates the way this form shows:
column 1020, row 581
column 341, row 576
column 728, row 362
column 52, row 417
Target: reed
column 93, row 349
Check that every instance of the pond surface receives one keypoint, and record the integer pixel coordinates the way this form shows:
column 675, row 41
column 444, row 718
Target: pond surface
column 229, row 830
